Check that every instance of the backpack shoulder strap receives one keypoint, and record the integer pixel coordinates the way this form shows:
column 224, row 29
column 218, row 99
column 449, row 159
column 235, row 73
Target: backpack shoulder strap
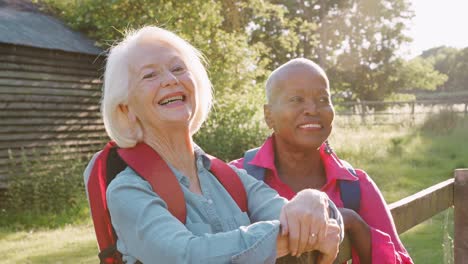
column 151, row 167
column 231, row 182
column 255, row 171
column 350, row 191
column 96, row 187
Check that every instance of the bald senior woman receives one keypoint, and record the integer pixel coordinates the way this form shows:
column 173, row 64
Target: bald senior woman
column 297, row 156
column 157, row 92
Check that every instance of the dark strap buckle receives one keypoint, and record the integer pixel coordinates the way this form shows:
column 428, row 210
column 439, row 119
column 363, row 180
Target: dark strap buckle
column 107, row 253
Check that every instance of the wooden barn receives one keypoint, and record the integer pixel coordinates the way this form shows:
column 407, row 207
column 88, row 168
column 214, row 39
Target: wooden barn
column 50, row 88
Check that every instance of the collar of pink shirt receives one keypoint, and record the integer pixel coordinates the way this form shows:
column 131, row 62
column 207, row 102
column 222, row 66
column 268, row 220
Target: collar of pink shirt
column 265, row 158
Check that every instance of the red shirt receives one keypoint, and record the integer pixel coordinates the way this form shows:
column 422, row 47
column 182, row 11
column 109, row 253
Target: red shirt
column 386, row 245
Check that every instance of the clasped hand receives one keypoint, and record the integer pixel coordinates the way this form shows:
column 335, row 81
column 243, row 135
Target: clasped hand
column 306, row 226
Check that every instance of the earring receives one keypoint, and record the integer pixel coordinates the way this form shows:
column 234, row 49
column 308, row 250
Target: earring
column 328, row 149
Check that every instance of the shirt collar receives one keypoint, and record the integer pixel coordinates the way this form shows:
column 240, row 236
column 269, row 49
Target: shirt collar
column 201, row 160
column 201, row 157
column 334, row 168
column 265, row 156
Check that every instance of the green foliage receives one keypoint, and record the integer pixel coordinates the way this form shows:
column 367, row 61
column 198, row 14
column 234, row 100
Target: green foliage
column 419, row 74
column 228, row 136
column 451, row 62
column 44, row 193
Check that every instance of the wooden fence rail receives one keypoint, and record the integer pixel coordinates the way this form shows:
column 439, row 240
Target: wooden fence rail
column 413, row 210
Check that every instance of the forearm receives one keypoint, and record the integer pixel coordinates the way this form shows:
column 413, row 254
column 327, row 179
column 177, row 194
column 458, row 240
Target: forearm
column 252, row 244
column 360, row 237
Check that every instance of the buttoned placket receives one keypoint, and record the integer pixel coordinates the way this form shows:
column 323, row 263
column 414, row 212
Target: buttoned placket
column 207, row 200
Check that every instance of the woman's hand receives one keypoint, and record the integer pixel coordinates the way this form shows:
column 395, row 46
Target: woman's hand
column 330, row 244
column 282, row 246
column 359, row 234
column 305, row 219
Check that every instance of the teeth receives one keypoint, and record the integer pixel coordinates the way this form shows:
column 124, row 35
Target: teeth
column 172, row 99
column 311, row 126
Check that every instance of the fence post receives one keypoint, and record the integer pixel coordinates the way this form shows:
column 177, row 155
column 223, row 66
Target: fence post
column 363, row 112
column 461, row 216
column 413, row 118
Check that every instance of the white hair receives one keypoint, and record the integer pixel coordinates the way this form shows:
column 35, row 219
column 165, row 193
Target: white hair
column 273, row 78
column 117, row 83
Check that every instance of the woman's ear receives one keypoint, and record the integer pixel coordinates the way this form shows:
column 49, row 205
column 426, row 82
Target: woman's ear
column 126, row 112
column 267, row 115
column 130, row 123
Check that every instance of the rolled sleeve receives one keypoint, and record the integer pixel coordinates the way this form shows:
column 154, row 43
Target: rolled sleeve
column 260, row 250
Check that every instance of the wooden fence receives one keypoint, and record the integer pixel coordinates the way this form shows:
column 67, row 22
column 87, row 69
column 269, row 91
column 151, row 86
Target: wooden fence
column 415, row 209
column 388, row 113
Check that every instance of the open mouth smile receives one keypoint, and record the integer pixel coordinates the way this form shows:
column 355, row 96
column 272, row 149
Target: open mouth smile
column 172, row 99
column 316, row 126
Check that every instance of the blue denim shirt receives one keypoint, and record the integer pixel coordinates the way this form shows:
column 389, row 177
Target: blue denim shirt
column 216, row 230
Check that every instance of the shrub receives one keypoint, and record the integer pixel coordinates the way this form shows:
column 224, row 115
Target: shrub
column 39, row 186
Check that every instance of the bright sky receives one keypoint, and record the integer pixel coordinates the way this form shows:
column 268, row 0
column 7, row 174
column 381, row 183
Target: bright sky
column 436, row 23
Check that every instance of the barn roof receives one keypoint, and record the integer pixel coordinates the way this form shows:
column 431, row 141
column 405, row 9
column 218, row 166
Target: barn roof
column 21, row 23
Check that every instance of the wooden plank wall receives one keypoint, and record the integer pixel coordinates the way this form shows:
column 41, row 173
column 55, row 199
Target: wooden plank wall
column 48, row 99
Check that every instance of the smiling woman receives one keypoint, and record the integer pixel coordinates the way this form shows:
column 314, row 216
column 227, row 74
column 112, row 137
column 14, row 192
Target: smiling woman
column 297, row 156
column 156, row 96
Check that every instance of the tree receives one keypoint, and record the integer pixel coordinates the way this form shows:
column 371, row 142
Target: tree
column 451, row 62
column 356, row 41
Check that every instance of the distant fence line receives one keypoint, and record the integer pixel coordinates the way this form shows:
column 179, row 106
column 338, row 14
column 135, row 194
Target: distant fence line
column 398, row 112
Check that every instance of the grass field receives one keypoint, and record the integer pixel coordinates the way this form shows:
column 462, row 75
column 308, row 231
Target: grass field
column 401, row 159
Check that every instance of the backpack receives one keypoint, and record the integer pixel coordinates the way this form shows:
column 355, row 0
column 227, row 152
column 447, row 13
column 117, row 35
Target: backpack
column 151, row 167
column 350, row 191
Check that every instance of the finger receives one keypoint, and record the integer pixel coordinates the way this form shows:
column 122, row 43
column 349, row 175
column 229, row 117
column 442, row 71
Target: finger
column 294, row 232
column 304, row 236
column 312, row 240
column 284, row 222
column 322, row 229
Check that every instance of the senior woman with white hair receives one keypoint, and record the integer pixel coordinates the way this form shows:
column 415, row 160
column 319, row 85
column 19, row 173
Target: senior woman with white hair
column 157, row 92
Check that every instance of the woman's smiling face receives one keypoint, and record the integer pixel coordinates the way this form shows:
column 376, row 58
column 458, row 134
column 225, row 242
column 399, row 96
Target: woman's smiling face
column 162, row 89
column 300, row 111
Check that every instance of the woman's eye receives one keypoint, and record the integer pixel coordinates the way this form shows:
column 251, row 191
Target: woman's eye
column 296, row 99
column 149, row 75
column 178, row 69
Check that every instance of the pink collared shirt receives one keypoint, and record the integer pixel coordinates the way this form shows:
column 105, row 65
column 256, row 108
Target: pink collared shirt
column 386, row 245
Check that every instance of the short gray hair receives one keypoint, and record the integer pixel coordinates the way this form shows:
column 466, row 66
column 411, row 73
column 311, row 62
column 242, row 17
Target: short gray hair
column 117, row 83
column 294, row 62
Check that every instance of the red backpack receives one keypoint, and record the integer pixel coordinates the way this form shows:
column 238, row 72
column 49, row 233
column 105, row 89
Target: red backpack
column 151, row 167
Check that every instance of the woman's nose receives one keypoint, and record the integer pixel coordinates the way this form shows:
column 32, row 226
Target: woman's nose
column 169, row 79
column 310, row 108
